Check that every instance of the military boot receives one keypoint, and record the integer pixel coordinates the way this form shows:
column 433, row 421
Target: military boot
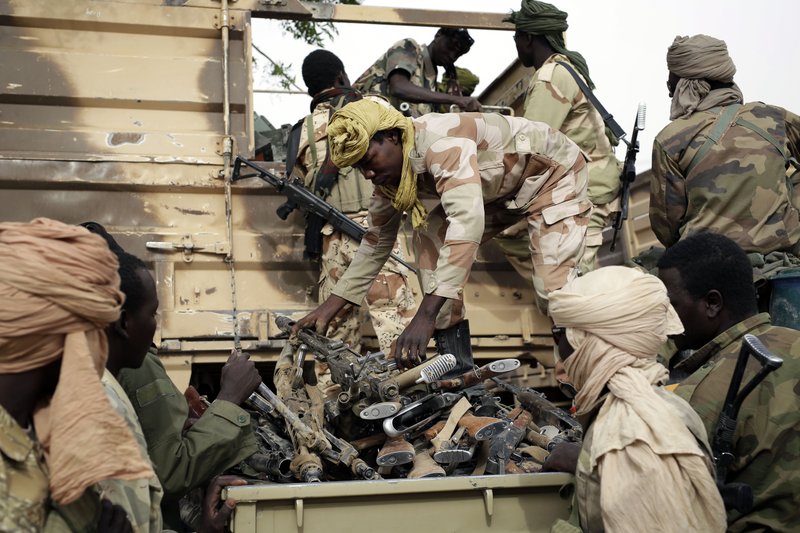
column 455, row 340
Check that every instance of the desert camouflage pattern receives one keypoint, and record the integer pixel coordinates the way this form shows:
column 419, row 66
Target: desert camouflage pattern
column 24, row 486
column 739, row 189
column 141, row 498
column 404, row 55
column 554, row 98
column 488, row 171
column 389, row 304
column 352, row 192
column 767, row 439
column 587, row 478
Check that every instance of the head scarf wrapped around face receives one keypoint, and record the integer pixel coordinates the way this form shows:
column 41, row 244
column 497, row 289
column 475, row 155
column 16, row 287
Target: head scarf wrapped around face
column 349, row 132
column 540, row 18
column 616, row 318
column 695, row 60
column 59, row 289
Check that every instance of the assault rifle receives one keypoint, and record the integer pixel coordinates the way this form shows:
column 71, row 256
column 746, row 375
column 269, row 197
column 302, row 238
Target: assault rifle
column 738, row 496
column 628, row 172
column 298, row 195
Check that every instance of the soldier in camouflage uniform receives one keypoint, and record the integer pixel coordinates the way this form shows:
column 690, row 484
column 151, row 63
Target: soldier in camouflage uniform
column 488, row 172
column 407, row 72
column 709, row 281
column 389, row 302
column 721, row 165
column 555, row 98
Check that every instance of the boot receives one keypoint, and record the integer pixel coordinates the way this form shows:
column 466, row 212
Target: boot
column 455, row 340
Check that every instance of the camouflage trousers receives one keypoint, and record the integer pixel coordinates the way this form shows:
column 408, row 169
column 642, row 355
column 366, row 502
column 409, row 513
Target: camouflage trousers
column 514, row 241
column 555, row 218
column 389, row 304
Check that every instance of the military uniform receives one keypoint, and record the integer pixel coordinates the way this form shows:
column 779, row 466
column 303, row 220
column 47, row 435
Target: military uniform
column 408, row 56
column 738, row 189
column 390, row 301
column 488, row 171
column 24, row 486
column 767, row 439
column 554, row 98
column 218, row 440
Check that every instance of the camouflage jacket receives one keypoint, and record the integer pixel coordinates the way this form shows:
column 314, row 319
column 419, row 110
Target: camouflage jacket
column 218, row 440
column 767, row 439
column 352, row 192
column 554, row 98
column 24, row 485
column 738, row 189
column 404, row 55
column 469, row 160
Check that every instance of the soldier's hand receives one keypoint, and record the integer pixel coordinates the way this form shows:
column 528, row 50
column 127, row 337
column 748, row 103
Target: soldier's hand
column 239, row 378
column 469, row 103
column 216, row 513
column 320, row 318
column 563, row 458
column 410, row 347
column 113, row 519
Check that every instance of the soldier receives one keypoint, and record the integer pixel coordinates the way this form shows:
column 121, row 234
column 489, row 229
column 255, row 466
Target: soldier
column 709, row 280
column 488, row 171
column 555, row 98
column 389, row 301
column 610, row 325
column 407, row 72
column 721, row 164
column 58, row 289
column 220, row 439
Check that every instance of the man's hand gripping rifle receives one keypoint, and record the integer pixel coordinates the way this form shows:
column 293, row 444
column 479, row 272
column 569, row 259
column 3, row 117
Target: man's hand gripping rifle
column 628, row 171
column 298, row 195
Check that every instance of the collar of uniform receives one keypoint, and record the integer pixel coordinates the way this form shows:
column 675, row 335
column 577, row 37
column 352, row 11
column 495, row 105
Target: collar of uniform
column 14, row 441
column 429, row 67
column 720, row 342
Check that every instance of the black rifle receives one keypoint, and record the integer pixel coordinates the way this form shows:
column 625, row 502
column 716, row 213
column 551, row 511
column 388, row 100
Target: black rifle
column 738, row 496
column 298, row 195
column 628, row 172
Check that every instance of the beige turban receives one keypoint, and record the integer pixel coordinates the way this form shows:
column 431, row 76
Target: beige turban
column 697, row 59
column 349, row 132
column 616, row 318
column 59, row 288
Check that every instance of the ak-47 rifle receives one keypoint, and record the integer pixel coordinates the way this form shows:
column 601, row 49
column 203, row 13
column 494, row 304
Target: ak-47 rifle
column 628, row 172
column 738, row 496
column 298, row 195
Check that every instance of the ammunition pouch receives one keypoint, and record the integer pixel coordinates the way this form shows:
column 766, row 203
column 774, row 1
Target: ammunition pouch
column 455, row 340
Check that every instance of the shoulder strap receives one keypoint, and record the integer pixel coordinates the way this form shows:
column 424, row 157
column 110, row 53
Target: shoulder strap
column 787, row 158
column 292, row 147
column 608, row 118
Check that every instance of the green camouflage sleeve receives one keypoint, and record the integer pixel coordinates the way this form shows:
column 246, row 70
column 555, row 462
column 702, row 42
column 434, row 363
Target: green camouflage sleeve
column 220, row 439
column 402, row 56
column 793, row 134
column 667, row 196
column 550, row 101
column 373, row 252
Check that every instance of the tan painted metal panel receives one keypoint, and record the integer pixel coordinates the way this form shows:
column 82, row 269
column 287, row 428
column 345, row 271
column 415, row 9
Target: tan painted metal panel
column 104, row 81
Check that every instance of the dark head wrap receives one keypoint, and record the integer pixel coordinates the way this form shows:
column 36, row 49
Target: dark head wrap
column 540, row 18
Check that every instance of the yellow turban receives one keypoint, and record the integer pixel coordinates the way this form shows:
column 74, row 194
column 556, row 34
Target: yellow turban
column 349, row 132
column 59, row 288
